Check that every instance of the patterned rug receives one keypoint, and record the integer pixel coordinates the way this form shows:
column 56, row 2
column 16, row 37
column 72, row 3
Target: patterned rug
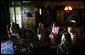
column 7, row 48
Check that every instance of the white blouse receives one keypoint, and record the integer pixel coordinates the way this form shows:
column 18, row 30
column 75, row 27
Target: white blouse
column 55, row 30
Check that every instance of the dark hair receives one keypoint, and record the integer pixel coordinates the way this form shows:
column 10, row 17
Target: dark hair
column 40, row 24
column 65, row 29
column 54, row 23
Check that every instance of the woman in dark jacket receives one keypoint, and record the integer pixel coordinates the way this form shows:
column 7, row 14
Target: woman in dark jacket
column 66, row 41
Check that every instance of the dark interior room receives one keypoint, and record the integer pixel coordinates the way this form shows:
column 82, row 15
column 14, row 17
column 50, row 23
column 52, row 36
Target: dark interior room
column 42, row 27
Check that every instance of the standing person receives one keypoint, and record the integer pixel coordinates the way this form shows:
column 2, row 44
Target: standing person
column 66, row 41
column 41, row 31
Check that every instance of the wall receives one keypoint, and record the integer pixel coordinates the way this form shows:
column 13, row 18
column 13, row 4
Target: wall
column 5, row 19
column 26, row 20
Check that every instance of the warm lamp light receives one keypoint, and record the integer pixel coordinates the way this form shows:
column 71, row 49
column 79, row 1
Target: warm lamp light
column 40, row 11
column 68, row 8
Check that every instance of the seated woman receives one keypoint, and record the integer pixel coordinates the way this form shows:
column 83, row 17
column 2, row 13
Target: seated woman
column 54, row 33
column 41, row 31
column 14, row 30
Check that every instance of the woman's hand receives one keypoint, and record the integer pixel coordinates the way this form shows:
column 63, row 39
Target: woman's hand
column 42, row 35
column 55, row 35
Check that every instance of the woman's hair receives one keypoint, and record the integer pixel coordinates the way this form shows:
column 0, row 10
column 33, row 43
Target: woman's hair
column 40, row 24
column 65, row 28
column 54, row 23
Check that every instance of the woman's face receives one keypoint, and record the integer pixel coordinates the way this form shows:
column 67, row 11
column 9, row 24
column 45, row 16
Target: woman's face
column 53, row 25
column 69, row 28
column 42, row 26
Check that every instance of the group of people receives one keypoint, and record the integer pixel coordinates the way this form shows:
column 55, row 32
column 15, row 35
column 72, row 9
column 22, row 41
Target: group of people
column 61, row 37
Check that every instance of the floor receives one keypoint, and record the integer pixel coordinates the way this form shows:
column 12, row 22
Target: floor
column 7, row 47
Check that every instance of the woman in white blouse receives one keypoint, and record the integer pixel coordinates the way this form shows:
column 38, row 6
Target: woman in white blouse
column 54, row 33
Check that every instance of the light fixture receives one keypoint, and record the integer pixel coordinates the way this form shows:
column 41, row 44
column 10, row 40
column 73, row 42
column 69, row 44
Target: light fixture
column 73, row 21
column 40, row 11
column 26, row 1
column 68, row 8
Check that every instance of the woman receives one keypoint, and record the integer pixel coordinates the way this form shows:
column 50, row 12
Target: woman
column 66, row 41
column 15, row 30
column 41, row 31
column 54, row 34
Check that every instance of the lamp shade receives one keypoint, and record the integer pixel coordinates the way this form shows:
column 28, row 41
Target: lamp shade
column 71, row 19
column 68, row 8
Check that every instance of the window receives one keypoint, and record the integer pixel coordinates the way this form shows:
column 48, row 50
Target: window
column 18, row 15
column 12, row 16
